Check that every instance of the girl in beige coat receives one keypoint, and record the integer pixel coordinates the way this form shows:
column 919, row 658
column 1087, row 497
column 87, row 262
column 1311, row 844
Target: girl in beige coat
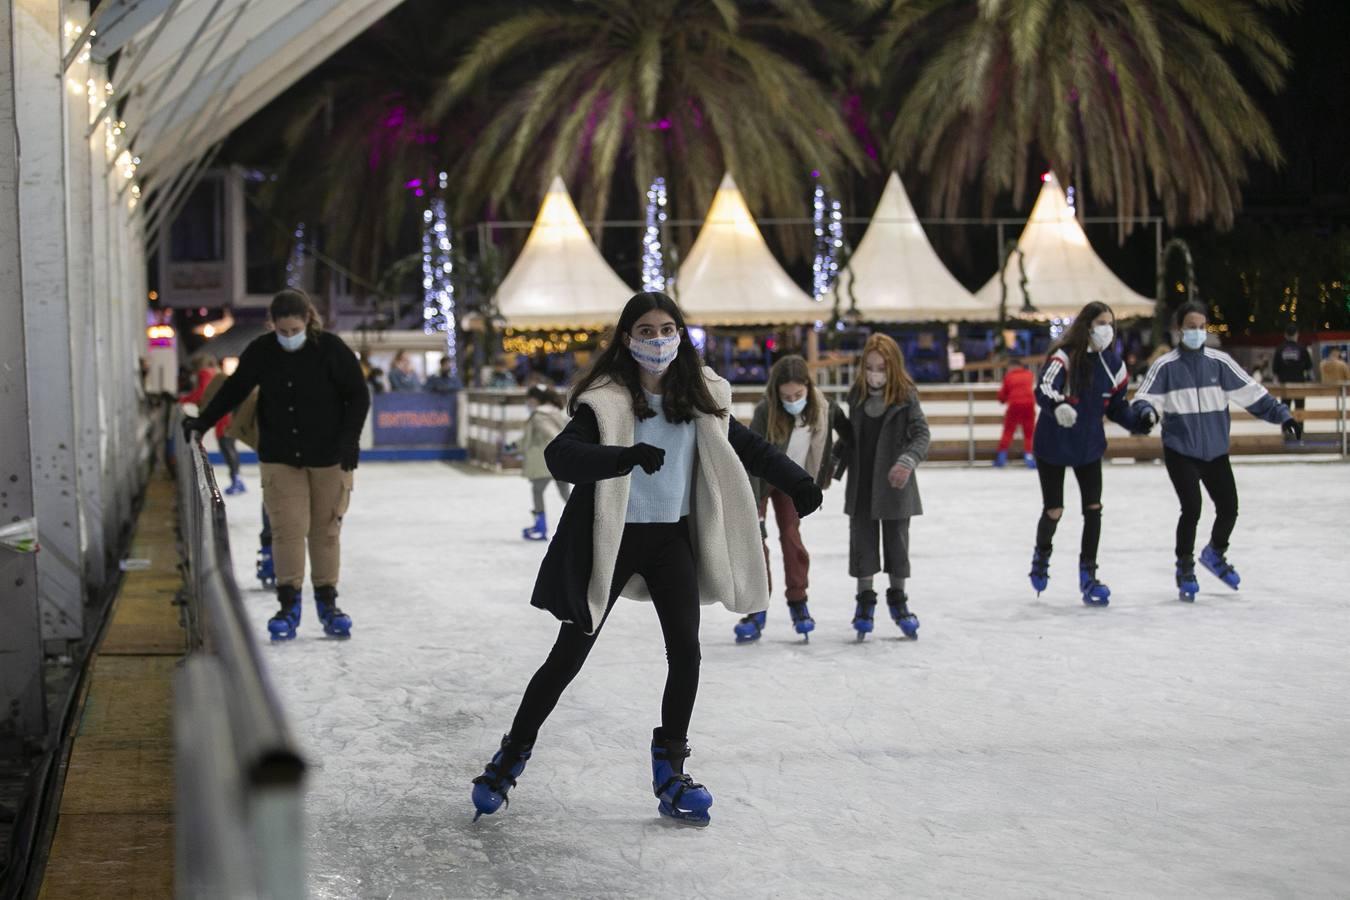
column 545, row 422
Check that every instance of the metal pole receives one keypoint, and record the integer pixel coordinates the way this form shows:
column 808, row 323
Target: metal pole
column 40, row 112
column 23, row 709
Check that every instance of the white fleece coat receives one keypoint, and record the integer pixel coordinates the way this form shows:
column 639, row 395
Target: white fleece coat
column 724, row 524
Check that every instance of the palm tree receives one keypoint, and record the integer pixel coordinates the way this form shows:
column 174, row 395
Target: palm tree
column 680, row 88
column 1122, row 97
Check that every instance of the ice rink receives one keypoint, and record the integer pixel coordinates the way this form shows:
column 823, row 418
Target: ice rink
column 1022, row 747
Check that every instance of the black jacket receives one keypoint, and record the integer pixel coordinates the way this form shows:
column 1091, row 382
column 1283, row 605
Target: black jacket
column 1292, row 364
column 312, row 403
column 577, row 457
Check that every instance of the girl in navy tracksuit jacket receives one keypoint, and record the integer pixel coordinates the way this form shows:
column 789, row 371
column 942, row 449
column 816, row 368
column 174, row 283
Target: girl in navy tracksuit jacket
column 1190, row 389
column 1083, row 379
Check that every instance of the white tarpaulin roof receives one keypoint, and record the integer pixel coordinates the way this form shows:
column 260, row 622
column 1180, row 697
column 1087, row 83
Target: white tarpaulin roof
column 730, row 277
column 897, row 276
column 1063, row 272
column 560, row 280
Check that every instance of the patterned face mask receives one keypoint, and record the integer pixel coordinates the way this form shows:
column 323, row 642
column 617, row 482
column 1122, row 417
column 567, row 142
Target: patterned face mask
column 655, row 354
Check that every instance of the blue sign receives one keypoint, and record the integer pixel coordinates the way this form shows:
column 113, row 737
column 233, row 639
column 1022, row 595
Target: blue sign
column 414, row 420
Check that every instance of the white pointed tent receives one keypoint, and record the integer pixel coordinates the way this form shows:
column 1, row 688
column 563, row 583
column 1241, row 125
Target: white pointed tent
column 1063, row 272
column 897, row 276
column 731, row 278
column 560, row 280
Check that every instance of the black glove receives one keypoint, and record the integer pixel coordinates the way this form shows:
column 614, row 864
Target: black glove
column 806, row 496
column 1148, row 417
column 1293, row 429
column 192, row 425
column 350, row 457
column 642, row 456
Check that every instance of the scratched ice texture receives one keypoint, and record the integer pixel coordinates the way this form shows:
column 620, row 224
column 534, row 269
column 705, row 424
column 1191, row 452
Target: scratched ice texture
column 1023, row 747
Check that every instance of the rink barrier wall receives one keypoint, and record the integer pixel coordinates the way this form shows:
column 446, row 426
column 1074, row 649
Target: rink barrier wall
column 966, row 421
column 238, row 771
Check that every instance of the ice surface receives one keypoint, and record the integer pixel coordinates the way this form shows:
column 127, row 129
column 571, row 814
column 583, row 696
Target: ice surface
column 1023, row 747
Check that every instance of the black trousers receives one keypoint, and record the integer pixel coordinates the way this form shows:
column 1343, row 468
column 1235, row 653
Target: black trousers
column 230, row 450
column 1188, row 474
column 663, row 556
column 265, row 536
column 1089, row 479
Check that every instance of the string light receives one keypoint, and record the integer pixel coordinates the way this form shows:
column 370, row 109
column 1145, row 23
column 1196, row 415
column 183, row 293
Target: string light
column 295, row 265
column 438, row 289
column 827, row 219
column 653, row 253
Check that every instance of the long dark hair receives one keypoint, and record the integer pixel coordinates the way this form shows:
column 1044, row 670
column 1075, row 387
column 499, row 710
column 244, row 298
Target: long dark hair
column 789, row 370
column 1076, row 342
column 294, row 302
column 684, row 390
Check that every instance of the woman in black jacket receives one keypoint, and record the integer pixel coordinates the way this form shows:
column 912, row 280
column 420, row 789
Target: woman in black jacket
column 663, row 511
column 312, row 405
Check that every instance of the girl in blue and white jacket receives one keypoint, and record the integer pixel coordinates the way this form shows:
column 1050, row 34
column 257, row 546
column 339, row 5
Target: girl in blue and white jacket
column 1083, row 381
column 1190, row 389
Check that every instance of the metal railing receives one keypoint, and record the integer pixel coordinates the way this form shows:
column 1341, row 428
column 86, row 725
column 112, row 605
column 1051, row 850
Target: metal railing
column 239, row 775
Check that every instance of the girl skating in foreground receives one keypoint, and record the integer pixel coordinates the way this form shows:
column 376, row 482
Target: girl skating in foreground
column 662, row 511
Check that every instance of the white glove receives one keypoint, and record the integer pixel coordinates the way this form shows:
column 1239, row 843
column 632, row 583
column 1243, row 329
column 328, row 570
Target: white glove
column 1066, row 415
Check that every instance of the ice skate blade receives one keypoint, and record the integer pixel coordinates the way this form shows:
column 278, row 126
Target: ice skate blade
column 283, row 636
column 1186, row 597
column 1094, row 601
column 691, row 818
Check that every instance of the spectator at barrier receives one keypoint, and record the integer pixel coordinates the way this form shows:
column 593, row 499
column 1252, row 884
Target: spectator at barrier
column 209, row 378
column 402, row 376
column 1292, row 364
column 312, row 404
column 375, row 380
column 1334, row 368
column 443, row 382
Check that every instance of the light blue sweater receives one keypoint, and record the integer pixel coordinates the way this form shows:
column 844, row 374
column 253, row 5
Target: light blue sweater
column 663, row 497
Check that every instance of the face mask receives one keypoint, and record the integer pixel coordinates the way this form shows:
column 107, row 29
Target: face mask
column 292, row 343
column 795, row 407
column 1193, row 338
column 656, row 354
column 1102, row 335
column 876, row 380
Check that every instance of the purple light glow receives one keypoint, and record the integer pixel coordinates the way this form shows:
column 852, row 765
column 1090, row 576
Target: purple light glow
column 815, row 173
column 416, row 182
column 420, row 193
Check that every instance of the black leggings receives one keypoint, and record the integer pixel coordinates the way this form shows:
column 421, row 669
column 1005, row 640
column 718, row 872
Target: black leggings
column 662, row 555
column 1187, row 474
column 1052, row 497
column 230, row 451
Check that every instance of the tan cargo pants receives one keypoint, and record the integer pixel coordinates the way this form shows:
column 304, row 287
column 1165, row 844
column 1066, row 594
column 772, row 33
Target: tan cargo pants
column 306, row 504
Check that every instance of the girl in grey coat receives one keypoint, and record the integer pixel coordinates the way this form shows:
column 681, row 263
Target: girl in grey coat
column 889, row 439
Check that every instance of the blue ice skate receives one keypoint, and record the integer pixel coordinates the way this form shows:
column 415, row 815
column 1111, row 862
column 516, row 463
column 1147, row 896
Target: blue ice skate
column 1029, row 459
column 899, row 606
column 862, row 613
column 1040, row 570
column 1187, row 585
column 1219, row 567
column 682, row 799
column 336, row 623
column 499, row 776
column 282, row 625
column 1094, row 592
column 538, row 531
column 236, row 486
column 801, row 618
column 750, row 628
column 267, row 575
column 1000, row 459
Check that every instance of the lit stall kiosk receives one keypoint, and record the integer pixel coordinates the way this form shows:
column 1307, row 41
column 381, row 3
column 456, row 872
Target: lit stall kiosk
column 896, row 278
column 731, row 283
column 556, row 300
column 1063, row 272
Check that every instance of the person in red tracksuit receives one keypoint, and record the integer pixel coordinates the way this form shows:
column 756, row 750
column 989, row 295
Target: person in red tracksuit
column 1018, row 394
